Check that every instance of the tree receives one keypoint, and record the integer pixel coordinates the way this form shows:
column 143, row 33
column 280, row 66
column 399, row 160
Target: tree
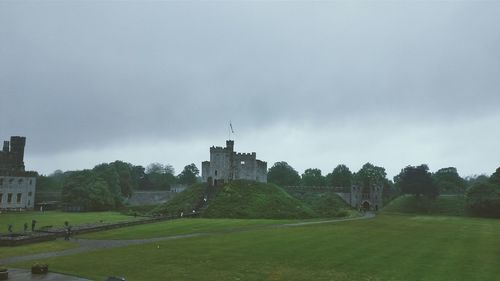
column 370, row 175
column 313, row 177
column 158, row 168
column 447, row 180
column 108, row 173
column 483, row 199
column 160, row 176
column 495, row 178
column 189, row 174
column 417, row 180
column 341, row 176
column 283, row 174
column 86, row 189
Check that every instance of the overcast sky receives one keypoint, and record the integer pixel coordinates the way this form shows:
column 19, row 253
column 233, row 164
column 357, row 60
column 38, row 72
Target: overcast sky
column 314, row 84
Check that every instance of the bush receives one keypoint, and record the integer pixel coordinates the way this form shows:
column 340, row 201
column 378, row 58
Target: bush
column 483, row 199
column 39, row 268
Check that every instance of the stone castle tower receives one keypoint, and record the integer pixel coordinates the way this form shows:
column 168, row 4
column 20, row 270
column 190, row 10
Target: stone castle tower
column 12, row 154
column 226, row 165
column 17, row 186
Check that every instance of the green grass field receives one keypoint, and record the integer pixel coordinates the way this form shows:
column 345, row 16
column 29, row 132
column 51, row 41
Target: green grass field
column 6, row 252
column 447, row 205
column 56, row 218
column 182, row 226
column 389, row 247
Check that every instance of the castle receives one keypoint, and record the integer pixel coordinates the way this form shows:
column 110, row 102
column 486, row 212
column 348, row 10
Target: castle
column 17, row 186
column 226, row 165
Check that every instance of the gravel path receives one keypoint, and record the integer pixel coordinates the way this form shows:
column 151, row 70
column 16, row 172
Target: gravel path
column 87, row 245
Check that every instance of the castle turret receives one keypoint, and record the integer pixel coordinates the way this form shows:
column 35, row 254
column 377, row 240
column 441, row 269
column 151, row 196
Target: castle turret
column 17, row 151
column 6, row 146
column 230, row 145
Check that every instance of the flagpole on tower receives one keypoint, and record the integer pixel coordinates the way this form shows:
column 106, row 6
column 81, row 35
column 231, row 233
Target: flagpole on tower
column 231, row 130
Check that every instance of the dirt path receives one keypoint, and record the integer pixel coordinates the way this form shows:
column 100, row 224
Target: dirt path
column 87, row 245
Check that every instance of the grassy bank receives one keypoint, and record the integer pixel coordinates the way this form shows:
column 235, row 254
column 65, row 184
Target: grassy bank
column 449, row 205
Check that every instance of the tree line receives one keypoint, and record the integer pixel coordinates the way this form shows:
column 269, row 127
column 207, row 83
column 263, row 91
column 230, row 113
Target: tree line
column 105, row 186
column 482, row 192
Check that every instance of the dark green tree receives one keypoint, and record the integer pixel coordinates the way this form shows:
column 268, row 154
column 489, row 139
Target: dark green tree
column 417, row 180
column 189, row 175
column 483, row 199
column 313, row 177
column 283, row 174
column 495, row 178
column 86, row 189
column 447, row 180
column 108, row 173
column 370, row 175
column 341, row 176
column 160, row 177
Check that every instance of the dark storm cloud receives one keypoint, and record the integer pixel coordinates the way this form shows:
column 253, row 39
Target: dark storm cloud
column 84, row 74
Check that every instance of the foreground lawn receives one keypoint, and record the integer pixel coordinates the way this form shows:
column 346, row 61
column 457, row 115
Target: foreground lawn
column 56, row 218
column 182, row 226
column 389, row 247
column 7, row 252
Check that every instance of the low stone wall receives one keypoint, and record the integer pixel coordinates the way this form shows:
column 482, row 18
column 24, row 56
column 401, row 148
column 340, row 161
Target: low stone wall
column 23, row 239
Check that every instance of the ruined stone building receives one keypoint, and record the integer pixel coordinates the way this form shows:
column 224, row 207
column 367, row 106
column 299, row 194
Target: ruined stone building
column 17, row 186
column 226, row 165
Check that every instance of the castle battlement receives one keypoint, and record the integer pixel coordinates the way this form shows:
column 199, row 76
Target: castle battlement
column 246, row 154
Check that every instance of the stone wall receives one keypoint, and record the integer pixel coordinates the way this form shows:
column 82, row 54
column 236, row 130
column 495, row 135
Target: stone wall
column 139, row 198
column 245, row 166
column 261, row 171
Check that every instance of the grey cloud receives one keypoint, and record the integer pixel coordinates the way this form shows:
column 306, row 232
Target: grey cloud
column 83, row 74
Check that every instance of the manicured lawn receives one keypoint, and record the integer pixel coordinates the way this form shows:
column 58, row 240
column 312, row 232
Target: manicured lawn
column 182, row 226
column 389, row 247
column 6, row 252
column 56, row 218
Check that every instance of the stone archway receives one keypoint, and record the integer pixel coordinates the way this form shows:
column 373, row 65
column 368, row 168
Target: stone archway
column 365, row 206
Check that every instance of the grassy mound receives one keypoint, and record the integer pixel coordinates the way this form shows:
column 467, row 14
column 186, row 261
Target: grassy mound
column 185, row 201
column 448, row 205
column 324, row 204
column 248, row 199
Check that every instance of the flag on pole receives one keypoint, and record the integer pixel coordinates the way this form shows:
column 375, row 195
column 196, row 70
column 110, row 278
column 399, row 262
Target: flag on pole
column 231, row 126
